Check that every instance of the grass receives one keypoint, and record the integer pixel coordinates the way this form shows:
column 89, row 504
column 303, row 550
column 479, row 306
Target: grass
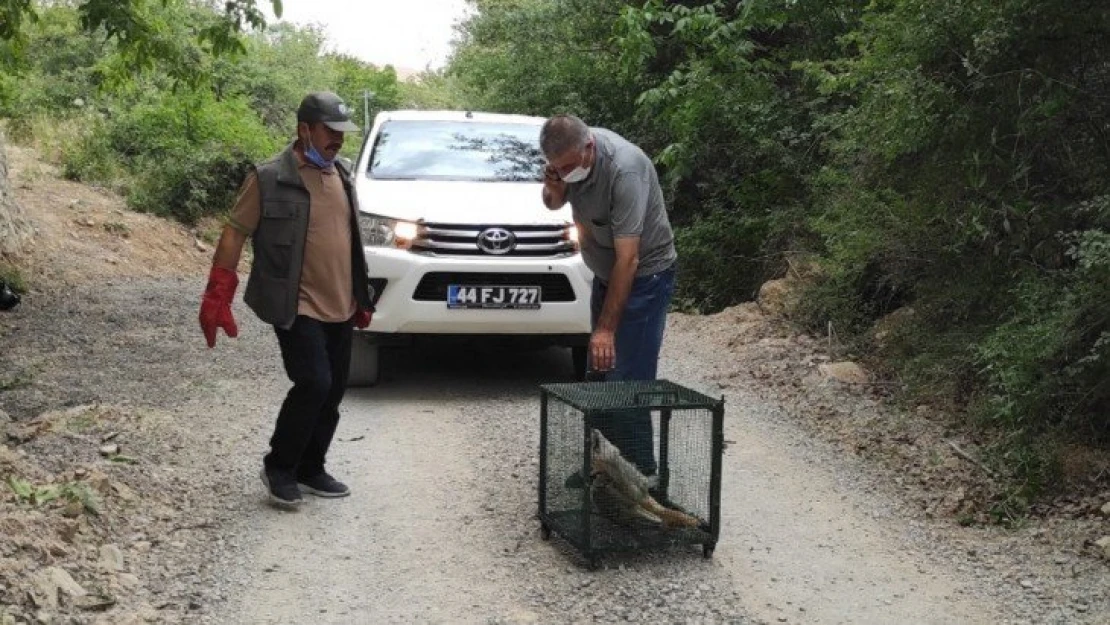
column 71, row 492
column 118, row 229
column 33, row 173
column 209, row 230
column 21, row 379
column 84, row 422
column 11, row 274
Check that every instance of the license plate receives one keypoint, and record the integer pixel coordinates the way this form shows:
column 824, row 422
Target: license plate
column 502, row 297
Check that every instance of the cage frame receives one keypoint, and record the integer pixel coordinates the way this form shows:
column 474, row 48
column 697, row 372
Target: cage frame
column 591, row 552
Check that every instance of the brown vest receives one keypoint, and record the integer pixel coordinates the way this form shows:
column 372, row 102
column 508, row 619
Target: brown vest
column 279, row 241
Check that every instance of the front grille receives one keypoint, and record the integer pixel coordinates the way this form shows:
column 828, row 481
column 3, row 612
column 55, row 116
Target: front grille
column 554, row 287
column 467, row 240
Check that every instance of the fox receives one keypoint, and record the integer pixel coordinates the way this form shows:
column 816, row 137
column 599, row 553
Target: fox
column 618, row 487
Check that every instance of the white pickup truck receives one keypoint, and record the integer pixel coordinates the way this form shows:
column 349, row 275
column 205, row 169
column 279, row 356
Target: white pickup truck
column 458, row 241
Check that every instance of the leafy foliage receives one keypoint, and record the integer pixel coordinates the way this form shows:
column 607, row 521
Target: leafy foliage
column 193, row 154
column 159, row 106
column 952, row 158
column 540, row 57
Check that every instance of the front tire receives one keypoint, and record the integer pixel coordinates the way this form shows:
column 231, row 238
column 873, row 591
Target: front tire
column 365, row 362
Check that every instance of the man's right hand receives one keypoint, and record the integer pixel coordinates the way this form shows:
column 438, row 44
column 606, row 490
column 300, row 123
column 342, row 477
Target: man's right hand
column 554, row 188
column 215, row 307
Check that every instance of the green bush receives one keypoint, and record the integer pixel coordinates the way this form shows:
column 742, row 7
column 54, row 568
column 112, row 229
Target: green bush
column 55, row 71
column 174, row 139
column 719, row 260
column 186, row 154
column 170, row 124
column 191, row 184
column 175, row 148
column 87, row 155
column 1047, row 365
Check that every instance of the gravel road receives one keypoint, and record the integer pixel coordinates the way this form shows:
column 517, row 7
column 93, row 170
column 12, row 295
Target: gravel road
column 441, row 458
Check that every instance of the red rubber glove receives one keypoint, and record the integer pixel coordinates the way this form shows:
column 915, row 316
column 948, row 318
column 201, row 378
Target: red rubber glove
column 215, row 308
column 362, row 318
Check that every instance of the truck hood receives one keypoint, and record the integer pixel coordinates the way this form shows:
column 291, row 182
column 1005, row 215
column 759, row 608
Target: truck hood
column 458, row 202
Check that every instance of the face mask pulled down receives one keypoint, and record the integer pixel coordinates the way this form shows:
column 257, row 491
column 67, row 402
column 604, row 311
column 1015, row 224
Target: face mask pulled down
column 313, row 156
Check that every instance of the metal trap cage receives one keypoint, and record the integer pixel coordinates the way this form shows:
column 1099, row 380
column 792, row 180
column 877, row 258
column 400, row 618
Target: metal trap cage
column 665, row 489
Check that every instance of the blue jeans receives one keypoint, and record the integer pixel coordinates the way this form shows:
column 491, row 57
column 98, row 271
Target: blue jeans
column 639, row 338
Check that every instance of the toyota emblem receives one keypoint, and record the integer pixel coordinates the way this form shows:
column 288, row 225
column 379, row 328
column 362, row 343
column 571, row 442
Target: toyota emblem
column 496, row 241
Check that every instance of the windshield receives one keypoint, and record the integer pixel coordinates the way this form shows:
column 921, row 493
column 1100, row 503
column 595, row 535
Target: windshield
column 457, row 150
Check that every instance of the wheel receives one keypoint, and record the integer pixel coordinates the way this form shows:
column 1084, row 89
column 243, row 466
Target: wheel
column 593, row 563
column 365, row 359
column 707, row 551
column 578, row 356
column 545, row 531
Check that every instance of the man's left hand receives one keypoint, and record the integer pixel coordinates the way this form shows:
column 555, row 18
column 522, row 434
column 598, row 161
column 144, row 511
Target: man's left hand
column 603, row 350
column 362, row 318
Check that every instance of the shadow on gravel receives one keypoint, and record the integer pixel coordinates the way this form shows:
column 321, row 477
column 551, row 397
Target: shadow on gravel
column 468, row 369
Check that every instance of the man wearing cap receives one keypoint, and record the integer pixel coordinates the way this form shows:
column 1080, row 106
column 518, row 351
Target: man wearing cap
column 308, row 280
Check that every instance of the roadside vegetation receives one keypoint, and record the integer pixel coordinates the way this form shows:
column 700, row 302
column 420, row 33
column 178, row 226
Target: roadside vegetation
column 939, row 171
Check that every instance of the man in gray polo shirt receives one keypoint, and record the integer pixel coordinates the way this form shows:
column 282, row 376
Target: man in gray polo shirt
column 627, row 242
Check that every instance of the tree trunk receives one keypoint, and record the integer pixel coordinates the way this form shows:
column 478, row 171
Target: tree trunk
column 15, row 230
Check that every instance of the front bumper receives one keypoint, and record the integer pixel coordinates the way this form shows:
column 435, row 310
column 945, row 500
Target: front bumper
column 408, row 303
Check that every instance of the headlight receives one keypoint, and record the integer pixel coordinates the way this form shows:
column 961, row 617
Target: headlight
column 384, row 232
column 405, row 231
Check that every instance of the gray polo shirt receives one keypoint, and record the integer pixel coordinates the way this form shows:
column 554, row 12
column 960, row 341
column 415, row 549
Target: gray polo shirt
column 621, row 198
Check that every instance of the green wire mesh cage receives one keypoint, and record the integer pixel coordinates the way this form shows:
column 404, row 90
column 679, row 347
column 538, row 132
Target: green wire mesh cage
column 630, row 465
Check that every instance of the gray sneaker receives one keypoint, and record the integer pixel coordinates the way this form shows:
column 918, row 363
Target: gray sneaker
column 282, row 489
column 323, row 485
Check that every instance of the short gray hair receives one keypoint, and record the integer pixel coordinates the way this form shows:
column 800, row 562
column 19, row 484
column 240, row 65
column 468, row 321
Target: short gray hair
column 563, row 133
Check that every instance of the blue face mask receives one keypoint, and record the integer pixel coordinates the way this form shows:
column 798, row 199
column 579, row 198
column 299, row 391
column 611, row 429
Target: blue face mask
column 316, row 158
